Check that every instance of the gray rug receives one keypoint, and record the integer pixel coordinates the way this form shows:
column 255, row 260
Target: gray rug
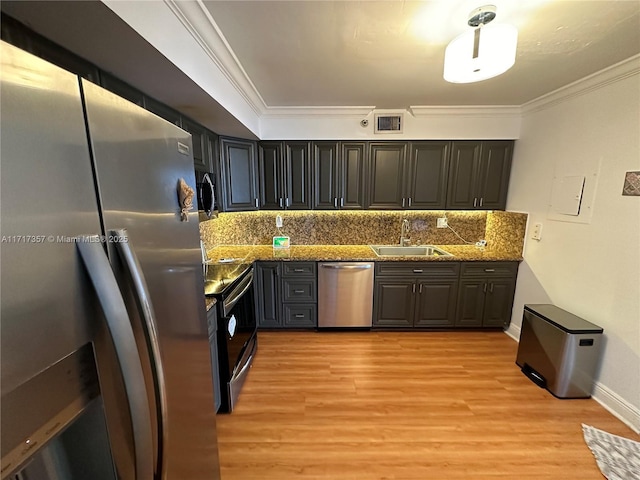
column 618, row 458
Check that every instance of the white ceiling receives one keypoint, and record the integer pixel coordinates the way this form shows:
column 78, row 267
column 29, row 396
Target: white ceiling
column 258, row 58
column 390, row 54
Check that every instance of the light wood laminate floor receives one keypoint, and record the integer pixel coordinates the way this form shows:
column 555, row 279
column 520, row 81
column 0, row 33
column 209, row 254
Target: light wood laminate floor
column 402, row 405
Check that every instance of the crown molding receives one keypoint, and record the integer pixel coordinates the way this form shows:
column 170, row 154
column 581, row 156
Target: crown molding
column 615, row 73
column 197, row 20
column 471, row 111
column 324, row 111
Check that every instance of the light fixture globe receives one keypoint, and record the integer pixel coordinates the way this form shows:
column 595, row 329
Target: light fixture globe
column 484, row 52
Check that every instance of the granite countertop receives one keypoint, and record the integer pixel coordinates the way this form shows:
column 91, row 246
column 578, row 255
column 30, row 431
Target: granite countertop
column 249, row 253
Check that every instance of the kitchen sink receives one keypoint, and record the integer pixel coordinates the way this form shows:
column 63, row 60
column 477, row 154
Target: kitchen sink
column 415, row 251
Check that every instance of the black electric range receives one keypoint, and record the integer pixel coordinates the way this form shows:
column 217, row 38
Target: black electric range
column 232, row 285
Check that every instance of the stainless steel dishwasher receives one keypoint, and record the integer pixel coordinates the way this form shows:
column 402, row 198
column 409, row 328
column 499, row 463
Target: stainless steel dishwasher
column 345, row 294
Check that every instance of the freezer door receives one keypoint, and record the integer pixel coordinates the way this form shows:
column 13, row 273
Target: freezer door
column 139, row 160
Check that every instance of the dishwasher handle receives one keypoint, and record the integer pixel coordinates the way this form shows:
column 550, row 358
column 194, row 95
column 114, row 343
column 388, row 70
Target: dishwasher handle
column 347, row 266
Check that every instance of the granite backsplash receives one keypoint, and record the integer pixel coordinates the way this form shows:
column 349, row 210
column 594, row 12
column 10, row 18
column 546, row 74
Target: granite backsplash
column 502, row 230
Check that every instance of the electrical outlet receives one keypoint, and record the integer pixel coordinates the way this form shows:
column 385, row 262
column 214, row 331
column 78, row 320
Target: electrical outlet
column 278, row 221
column 537, row 232
column 442, row 222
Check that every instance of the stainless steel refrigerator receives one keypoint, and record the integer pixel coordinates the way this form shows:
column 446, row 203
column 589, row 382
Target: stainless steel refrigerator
column 106, row 368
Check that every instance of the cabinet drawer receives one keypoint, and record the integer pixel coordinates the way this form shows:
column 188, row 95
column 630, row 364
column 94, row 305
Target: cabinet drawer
column 299, row 290
column 300, row 316
column 299, row 269
column 489, row 269
column 416, row 269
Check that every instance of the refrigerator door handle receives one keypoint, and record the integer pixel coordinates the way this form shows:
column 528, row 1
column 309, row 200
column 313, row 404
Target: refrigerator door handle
column 143, row 302
column 104, row 283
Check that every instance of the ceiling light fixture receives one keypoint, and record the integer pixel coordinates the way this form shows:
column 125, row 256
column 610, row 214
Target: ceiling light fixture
column 484, row 52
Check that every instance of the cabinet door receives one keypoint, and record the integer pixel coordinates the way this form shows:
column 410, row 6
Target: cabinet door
column 325, row 175
column 463, row 172
column 386, row 175
column 351, row 191
column 299, row 316
column 394, row 303
column 493, row 176
column 471, row 295
column 297, row 170
column 161, row 110
column 270, row 175
column 436, row 303
column 427, row 175
column 121, row 89
column 212, row 320
column 267, row 293
column 498, row 302
column 201, row 154
column 238, row 172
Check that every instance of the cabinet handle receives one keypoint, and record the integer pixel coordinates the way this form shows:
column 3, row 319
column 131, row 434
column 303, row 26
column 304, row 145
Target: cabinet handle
column 417, row 271
column 403, row 202
column 475, row 201
column 299, row 315
column 281, row 203
column 409, row 201
column 298, row 291
column 414, row 288
column 287, row 202
column 256, row 202
column 481, row 200
column 342, row 201
column 484, row 287
column 489, row 270
column 420, row 289
column 491, row 287
column 335, row 202
column 298, row 270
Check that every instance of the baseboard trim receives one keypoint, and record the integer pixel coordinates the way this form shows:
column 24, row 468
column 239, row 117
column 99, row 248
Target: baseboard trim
column 611, row 401
column 514, row 332
column 617, row 406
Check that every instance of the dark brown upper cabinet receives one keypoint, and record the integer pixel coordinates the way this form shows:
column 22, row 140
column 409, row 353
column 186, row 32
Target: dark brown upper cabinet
column 202, row 155
column 338, row 175
column 479, row 175
column 238, row 172
column 352, row 175
column 426, row 182
column 386, row 175
column 408, row 175
column 285, row 175
column 163, row 111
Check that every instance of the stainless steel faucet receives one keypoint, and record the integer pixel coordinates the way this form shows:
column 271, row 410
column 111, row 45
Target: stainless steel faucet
column 404, row 231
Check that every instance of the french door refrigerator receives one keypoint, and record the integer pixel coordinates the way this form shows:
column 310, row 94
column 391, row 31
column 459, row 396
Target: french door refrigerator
column 106, row 369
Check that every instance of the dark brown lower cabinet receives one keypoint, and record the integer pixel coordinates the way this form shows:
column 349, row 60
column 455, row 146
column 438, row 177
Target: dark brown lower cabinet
column 286, row 294
column 485, row 296
column 415, row 295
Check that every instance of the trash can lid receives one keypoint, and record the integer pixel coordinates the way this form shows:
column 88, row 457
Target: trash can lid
column 562, row 319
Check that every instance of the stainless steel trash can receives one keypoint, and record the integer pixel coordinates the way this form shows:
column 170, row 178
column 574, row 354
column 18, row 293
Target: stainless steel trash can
column 559, row 351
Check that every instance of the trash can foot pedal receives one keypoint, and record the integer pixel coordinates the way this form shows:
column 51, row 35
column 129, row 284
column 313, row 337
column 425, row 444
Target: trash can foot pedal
column 534, row 376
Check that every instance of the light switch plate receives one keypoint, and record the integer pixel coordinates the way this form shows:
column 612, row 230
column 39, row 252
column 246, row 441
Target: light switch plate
column 441, row 222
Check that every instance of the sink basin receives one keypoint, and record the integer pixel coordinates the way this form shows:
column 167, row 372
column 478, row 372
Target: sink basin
column 417, row 251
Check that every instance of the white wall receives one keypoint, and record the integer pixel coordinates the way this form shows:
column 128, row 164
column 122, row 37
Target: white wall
column 591, row 267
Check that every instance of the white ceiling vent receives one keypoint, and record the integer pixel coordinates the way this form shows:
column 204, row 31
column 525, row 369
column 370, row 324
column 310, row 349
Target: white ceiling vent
column 388, row 123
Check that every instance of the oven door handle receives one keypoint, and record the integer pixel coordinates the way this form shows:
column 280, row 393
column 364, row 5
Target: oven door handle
column 237, row 293
column 246, row 364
